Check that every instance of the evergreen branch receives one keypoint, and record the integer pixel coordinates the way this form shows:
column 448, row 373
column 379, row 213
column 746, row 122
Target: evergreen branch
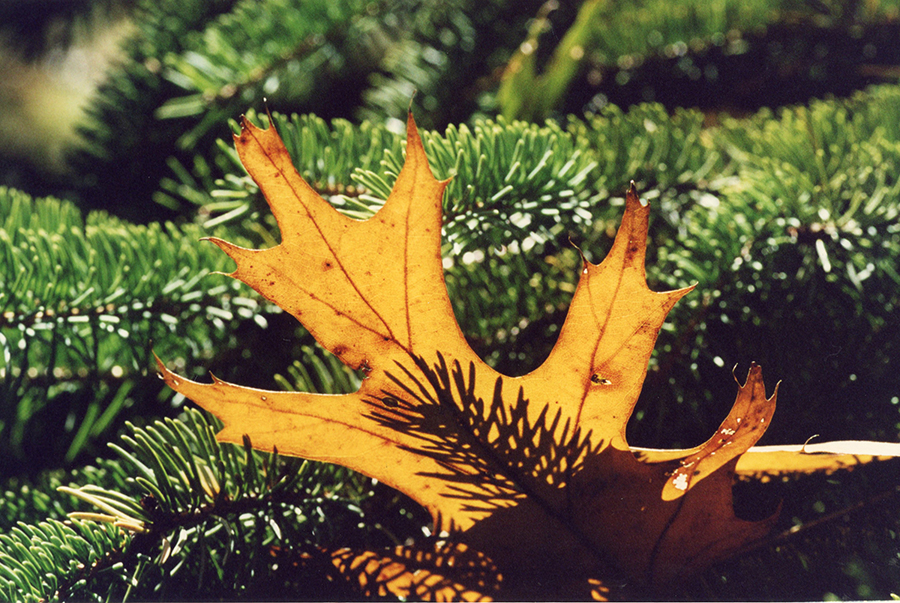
column 83, row 301
column 786, row 242
column 124, row 147
column 174, row 489
column 439, row 52
column 56, row 561
column 224, row 64
column 319, row 372
column 836, row 163
column 611, row 40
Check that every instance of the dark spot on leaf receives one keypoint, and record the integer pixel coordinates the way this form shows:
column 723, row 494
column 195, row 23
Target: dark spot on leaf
column 365, row 368
column 598, row 380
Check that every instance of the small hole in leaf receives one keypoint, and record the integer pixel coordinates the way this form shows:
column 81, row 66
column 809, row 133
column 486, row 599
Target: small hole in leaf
column 598, row 380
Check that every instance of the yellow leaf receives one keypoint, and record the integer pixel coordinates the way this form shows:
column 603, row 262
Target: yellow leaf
column 533, row 474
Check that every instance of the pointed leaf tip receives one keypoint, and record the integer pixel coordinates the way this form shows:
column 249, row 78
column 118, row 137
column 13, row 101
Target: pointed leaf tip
column 160, row 367
column 412, row 131
column 632, row 196
column 742, row 428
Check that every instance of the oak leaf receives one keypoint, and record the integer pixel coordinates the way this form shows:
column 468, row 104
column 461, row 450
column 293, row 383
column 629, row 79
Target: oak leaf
column 530, row 477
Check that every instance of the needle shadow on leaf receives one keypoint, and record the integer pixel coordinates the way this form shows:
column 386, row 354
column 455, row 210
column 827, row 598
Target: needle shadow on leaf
column 432, row 571
column 513, row 457
column 511, row 471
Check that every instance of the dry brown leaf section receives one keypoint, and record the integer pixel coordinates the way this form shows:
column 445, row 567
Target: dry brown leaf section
column 532, row 473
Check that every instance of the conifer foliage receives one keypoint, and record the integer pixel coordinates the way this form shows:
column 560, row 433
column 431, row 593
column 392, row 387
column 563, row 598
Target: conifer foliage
column 783, row 218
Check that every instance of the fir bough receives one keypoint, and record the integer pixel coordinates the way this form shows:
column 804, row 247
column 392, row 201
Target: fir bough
column 192, row 66
column 55, row 561
column 179, row 515
column 83, row 300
